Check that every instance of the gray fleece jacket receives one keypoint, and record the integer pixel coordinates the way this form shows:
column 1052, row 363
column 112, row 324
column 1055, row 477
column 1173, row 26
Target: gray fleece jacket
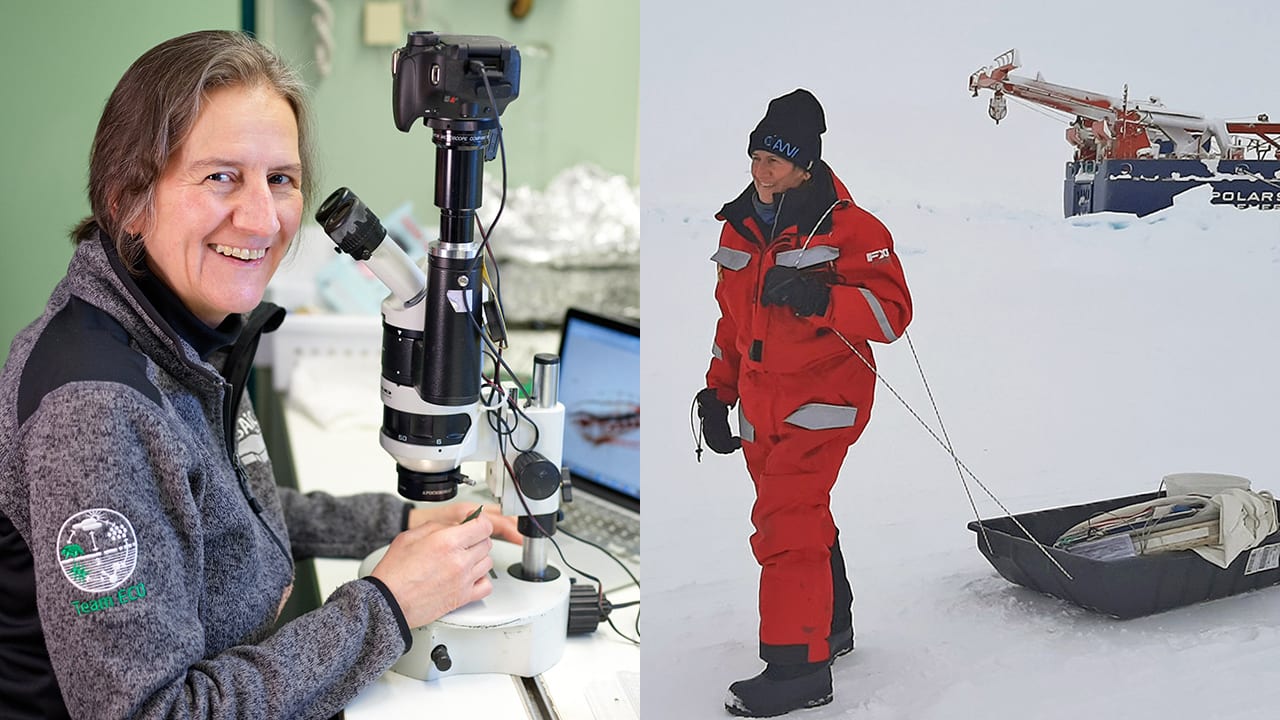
column 158, row 549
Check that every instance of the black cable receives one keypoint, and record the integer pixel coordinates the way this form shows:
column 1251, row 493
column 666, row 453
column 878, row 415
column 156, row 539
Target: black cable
column 695, row 426
column 502, row 147
column 600, row 585
column 497, row 280
column 606, row 552
column 478, row 67
column 600, row 597
column 537, row 434
column 496, row 353
column 508, row 431
column 623, row 635
column 513, row 401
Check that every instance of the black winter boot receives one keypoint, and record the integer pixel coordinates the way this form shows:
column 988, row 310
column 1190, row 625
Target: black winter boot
column 780, row 689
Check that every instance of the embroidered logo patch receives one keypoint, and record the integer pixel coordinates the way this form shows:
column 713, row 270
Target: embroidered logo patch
column 249, row 442
column 97, row 549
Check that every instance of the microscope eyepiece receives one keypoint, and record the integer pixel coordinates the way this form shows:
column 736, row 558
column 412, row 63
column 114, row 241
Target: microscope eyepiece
column 350, row 224
column 357, row 232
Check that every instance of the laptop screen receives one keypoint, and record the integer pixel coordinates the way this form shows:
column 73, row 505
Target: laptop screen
column 600, row 390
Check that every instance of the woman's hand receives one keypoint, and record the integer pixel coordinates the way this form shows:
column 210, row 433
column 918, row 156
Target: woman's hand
column 452, row 513
column 436, row 568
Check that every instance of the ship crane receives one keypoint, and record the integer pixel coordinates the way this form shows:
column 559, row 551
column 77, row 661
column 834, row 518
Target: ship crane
column 1110, row 128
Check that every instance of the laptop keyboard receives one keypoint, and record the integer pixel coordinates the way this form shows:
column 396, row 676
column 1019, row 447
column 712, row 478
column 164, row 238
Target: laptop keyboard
column 604, row 525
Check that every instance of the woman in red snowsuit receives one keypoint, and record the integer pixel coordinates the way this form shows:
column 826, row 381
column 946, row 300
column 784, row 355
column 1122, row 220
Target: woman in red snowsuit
column 806, row 279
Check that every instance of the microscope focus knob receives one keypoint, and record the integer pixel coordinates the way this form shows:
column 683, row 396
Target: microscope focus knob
column 537, row 477
column 440, row 656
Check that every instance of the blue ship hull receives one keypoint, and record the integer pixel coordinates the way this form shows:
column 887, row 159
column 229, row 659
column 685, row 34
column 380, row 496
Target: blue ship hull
column 1144, row 186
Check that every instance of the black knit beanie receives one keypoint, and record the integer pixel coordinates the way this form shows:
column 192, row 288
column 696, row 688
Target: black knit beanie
column 792, row 128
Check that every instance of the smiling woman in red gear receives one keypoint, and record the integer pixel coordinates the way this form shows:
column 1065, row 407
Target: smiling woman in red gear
column 806, row 280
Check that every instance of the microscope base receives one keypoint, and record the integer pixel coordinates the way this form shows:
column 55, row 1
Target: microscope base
column 519, row 629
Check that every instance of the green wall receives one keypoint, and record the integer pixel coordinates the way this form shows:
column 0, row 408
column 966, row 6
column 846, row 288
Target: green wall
column 579, row 94
column 59, row 60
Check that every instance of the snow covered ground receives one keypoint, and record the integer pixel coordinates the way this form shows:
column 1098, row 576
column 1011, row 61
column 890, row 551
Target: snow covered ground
column 1072, row 360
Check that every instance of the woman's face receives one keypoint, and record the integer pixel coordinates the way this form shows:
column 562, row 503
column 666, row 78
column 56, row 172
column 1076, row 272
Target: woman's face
column 773, row 174
column 228, row 203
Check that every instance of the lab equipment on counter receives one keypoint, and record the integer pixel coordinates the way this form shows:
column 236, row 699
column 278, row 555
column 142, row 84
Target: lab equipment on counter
column 441, row 322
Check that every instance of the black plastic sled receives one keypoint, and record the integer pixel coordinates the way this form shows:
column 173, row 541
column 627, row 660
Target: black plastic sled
column 1126, row 588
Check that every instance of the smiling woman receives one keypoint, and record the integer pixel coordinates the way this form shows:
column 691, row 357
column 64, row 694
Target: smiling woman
column 139, row 516
column 153, row 111
column 228, row 203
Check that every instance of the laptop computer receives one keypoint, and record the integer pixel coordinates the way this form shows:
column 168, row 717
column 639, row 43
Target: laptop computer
column 600, row 389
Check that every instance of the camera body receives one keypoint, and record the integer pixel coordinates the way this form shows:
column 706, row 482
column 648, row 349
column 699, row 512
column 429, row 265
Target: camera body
column 437, row 77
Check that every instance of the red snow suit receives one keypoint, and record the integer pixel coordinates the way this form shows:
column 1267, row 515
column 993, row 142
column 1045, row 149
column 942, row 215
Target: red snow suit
column 804, row 396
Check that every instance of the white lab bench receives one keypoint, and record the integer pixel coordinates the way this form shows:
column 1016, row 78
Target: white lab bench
column 598, row 677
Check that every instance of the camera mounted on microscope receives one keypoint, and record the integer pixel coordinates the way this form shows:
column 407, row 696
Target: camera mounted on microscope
column 442, row 78
column 440, row 324
column 432, row 357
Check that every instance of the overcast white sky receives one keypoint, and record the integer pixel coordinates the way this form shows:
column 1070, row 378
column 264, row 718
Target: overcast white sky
column 894, row 80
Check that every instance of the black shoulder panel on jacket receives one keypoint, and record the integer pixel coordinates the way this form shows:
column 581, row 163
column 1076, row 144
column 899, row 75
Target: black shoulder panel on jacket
column 81, row 343
column 28, row 687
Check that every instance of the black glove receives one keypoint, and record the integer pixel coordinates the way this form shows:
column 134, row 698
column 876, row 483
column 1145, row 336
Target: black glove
column 806, row 292
column 715, row 423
